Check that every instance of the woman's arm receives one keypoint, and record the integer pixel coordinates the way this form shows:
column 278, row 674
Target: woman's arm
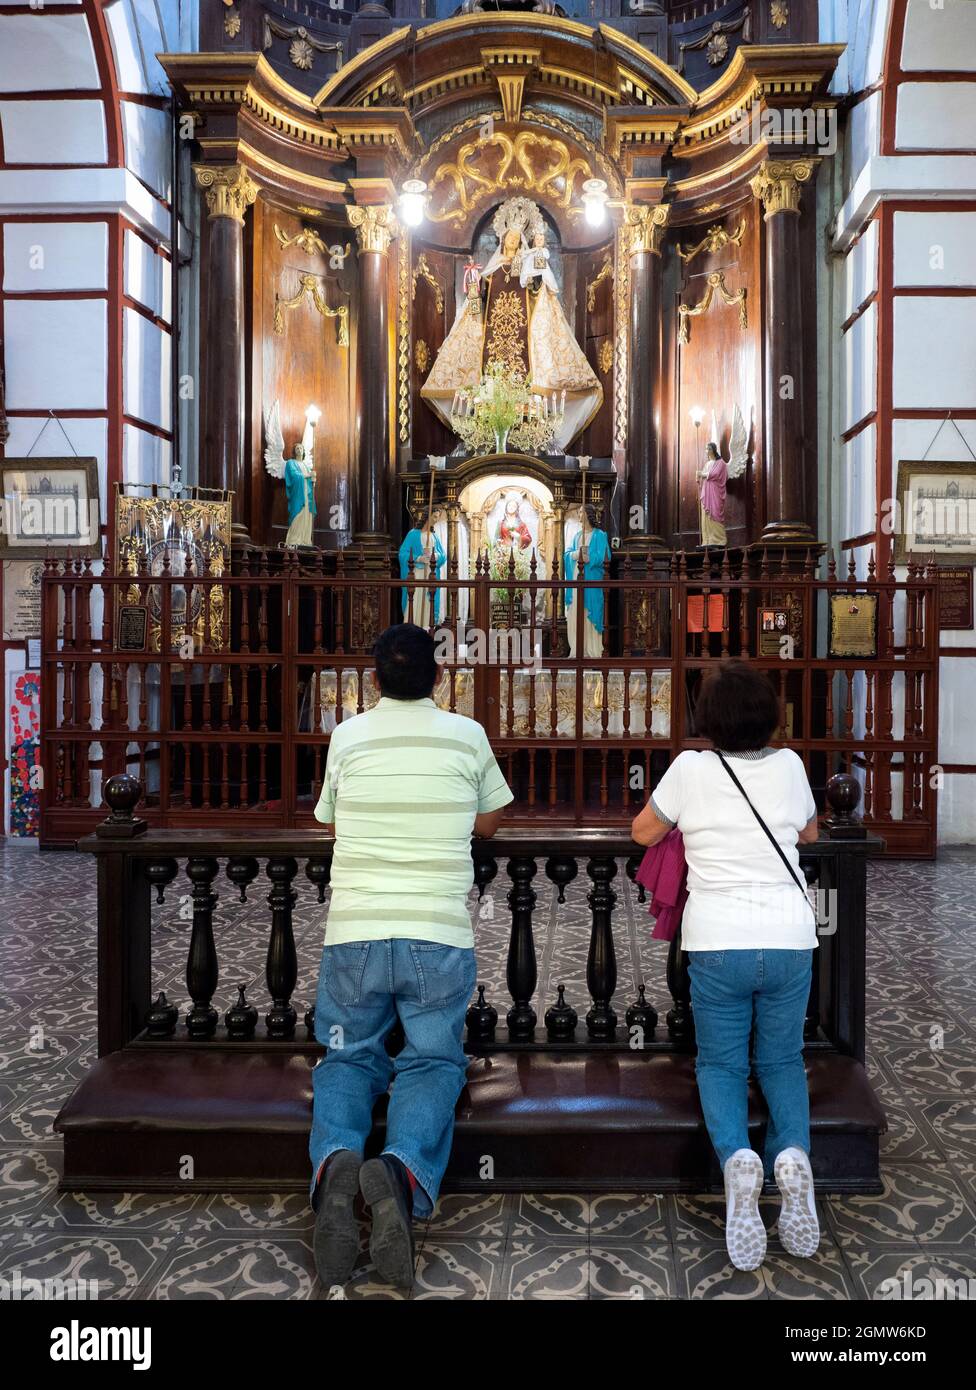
column 648, row 828
column 810, row 832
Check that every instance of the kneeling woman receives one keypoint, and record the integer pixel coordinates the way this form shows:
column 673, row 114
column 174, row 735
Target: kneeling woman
column 750, row 932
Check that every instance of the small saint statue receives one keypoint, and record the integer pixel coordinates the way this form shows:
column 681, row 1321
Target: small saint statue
column 415, row 561
column 585, row 559
column 712, row 484
column 512, row 529
column 298, row 473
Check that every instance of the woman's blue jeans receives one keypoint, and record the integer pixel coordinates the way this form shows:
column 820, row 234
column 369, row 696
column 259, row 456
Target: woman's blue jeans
column 731, row 991
column 363, row 987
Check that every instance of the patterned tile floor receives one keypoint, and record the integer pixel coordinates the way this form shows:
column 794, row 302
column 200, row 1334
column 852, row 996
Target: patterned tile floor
column 922, row 1031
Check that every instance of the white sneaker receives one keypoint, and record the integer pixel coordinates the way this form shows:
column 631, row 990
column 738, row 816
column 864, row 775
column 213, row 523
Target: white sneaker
column 745, row 1234
column 799, row 1228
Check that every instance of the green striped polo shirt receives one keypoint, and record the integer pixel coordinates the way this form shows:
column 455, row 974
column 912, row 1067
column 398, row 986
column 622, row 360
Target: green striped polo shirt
column 403, row 784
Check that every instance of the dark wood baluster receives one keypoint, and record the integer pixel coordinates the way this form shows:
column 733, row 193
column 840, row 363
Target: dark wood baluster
column 245, row 699
column 201, row 964
column 161, row 872
column 681, row 1024
column 481, row 1019
column 561, row 870
column 242, row 870
column 630, row 868
column 521, row 973
column 601, row 962
column 282, row 964
column 262, row 773
column 484, row 873
column 319, row 872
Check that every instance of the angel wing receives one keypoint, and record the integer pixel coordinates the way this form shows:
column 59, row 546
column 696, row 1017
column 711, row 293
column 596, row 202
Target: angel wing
column 738, row 445
column 274, row 442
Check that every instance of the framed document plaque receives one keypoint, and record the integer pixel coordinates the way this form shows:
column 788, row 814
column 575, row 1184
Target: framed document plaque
column 853, row 625
column 956, row 599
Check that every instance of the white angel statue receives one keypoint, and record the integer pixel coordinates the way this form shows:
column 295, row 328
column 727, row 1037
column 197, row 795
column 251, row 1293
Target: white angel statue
column 714, row 475
column 298, row 472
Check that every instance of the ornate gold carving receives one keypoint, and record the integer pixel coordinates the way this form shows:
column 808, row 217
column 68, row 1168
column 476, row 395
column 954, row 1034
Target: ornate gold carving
column 307, row 239
column 510, row 67
column 621, row 311
column 309, row 286
column 645, row 227
column 422, row 271
column 375, row 225
column 517, row 168
column 605, row 356
column 604, row 273
column 713, row 240
column 228, row 189
column 507, row 332
column 232, row 23
column 403, row 338
column 421, row 355
column 715, row 282
column 777, row 184
column 779, row 13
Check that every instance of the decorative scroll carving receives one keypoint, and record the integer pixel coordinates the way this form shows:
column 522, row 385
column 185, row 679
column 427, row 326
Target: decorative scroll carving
column 621, row 310
column 713, row 240
column 309, row 287
column 228, row 189
column 375, row 225
column 403, row 338
column 307, row 239
column 777, row 184
column 422, row 271
column 518, row 168
column 304, row 45
column 645, row 227
column 715, row 282
column 715, row 40
column 605, row 356
column 604, row 273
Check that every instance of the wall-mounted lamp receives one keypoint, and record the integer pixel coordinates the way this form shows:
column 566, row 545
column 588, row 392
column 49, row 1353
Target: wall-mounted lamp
column 413, row 202
column 312, row 414
column 595, row 199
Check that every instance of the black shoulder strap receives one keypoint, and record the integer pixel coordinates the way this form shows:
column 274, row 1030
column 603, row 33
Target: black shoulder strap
column 765, row 828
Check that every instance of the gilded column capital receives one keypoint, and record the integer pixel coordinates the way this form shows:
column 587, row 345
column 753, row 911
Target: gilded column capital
column 375, row 225
column 644, row 226
column 777, row 184
column 228, row 189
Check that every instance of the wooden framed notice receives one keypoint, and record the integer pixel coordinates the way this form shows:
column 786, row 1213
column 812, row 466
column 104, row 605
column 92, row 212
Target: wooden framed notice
column 133, row 627
column 853, row 625
column 50, row 507
column 956, row 598
column 773, row 624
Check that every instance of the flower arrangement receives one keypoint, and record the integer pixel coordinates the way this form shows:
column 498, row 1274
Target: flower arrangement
column 502, row 411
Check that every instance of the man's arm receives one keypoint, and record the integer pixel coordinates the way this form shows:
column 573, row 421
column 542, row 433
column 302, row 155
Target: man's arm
column 486, row 823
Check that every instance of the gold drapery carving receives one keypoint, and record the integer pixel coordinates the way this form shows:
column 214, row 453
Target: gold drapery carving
column 715, row 284
column 375, row 225
column 518, row 168
column 307, row 239
column 645, row 227
column 713, row 240
column 777, row 184
column 308, row 287
column 403, row 337
column 422, row 271
column 604, row 273
column 228, row 189
column 621, row 311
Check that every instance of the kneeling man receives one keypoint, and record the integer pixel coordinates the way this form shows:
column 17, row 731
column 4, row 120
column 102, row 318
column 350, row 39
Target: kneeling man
column 405, row 786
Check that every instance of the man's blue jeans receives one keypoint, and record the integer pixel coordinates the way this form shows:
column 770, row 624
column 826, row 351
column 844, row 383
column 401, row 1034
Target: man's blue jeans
column 363, row 986
column 729, row 991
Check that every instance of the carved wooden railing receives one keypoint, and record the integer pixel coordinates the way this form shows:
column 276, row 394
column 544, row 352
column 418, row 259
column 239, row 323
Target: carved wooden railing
column 238, row 721
column 137, row 863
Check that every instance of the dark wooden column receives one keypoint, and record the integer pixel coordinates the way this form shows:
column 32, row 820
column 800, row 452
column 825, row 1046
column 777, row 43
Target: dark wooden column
column 644, row 229
column 376, row 226
column 229, row 191
column 788, row 447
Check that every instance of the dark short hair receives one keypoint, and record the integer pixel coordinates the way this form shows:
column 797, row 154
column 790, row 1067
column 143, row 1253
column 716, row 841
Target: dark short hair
column 405, row 664
column 737, row 708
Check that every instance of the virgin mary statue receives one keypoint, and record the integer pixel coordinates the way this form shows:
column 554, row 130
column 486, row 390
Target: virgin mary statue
column 511, row 314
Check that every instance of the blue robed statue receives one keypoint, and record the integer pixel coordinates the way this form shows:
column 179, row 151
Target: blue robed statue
column 589, row 550
column 298, row 473
column 414, row 563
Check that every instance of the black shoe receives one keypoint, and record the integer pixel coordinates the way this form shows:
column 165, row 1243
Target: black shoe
column 385, row 1187
column 336, row 1239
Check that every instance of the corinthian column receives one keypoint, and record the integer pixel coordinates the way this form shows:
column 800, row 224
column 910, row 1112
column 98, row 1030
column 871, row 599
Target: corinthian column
column 644, row 231
column 788, row 446
column 376, row 226
column 229, row 191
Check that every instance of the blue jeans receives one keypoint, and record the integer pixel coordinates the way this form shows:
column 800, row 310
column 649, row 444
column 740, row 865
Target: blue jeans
column 729, row 991
column 363, row 986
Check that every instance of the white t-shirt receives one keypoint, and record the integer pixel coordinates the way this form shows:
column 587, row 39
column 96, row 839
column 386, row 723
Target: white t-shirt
column 740, row 896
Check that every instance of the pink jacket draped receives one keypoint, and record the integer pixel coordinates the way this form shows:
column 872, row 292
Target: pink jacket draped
column 664, row 873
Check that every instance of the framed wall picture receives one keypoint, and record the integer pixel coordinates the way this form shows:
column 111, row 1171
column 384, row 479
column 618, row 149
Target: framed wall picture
column 50, row 506
column 936, row 514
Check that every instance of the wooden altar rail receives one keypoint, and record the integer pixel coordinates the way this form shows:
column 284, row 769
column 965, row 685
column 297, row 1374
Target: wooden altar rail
column 237, row 722
column 577, row 1093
